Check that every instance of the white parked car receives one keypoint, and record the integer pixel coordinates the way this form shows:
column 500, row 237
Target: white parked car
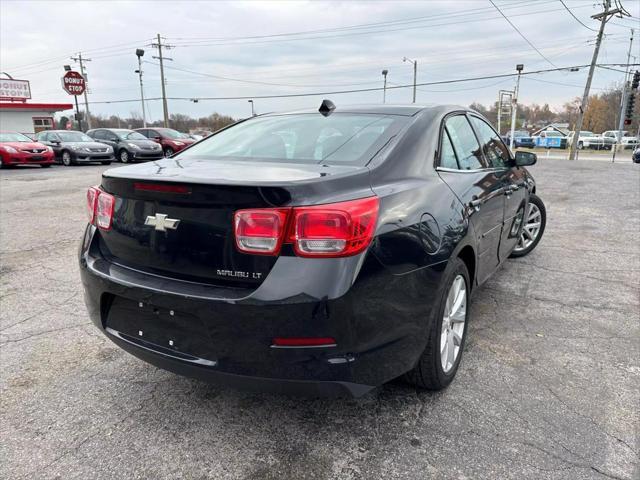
column 589, row 139
column 622, row 137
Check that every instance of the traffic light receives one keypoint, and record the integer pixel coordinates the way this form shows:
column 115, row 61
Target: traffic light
column 635, row 83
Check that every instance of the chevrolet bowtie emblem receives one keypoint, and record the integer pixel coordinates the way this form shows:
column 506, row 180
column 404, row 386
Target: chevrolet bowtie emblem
column 161, row 222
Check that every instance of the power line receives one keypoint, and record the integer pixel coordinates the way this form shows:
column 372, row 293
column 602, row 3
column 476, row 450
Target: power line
column 577, row 19
column 373, row 89
column 521, row 34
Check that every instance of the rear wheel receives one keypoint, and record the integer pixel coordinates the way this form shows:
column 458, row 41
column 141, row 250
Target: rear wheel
column 439, row 362
column 67, row 159
column 533, row 228
column 580, row 145
column 168, row 152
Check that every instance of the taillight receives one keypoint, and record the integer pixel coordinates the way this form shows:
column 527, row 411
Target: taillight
column 261, row 230
column 92, row 195
column 332, row 230
column 100, row 206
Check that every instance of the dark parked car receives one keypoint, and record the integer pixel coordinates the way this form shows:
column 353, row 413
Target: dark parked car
column 171, row 140
column 636, row 155
column 18, row 149
column 320, row 252
column 72, row 147
column 128, row 145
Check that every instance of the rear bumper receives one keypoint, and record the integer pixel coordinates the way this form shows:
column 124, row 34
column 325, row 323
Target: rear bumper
column 379, row 321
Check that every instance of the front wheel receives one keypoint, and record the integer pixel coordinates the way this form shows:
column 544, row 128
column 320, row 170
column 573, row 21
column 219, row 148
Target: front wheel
column 580, row 145
column 67, row 159
column 439, row 362
column 533, row 228
column 124, row 156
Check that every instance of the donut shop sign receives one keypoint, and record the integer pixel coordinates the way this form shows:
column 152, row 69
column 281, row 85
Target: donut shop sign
column 14, row 89
column 73, row 83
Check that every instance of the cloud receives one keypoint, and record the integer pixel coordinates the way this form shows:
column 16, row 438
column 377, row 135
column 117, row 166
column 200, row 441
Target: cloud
column 449, row 39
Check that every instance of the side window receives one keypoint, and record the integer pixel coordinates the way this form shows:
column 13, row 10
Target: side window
column 447, row 155
column 495, row 151
column 97, row 134
column 464, row 143
column 143, row 132
column 42, row 137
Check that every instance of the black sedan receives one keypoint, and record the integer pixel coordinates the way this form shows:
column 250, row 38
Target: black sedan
column 324, row 252
column 128, row 145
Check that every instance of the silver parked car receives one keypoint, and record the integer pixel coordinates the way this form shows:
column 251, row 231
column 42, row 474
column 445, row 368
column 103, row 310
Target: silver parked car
column 72, row 147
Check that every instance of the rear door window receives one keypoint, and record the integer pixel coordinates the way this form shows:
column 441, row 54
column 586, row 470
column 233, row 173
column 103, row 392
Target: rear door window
column 494, row 149
column 464, row 143
column 448, row 155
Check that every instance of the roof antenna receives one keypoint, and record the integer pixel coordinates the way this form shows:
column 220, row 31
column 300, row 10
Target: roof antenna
column 326, row 108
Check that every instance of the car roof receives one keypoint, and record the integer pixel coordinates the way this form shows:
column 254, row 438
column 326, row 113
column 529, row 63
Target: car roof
column 380, row 109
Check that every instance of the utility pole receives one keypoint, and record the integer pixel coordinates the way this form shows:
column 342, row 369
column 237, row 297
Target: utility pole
column 514, row 105
column 81, row 61
column 604, row 17
column 139, row 54
column 159, row 46
column 623, row 100
column 415, row 75
column 384, row 88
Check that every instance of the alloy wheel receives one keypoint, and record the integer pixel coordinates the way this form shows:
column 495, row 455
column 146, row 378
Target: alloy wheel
column 124, row 156
column 455, row 316
column 531, row 228
column 66, row 158
column 168, row 152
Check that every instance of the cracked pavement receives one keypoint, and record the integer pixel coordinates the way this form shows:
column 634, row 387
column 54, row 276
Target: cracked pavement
column 549, row 386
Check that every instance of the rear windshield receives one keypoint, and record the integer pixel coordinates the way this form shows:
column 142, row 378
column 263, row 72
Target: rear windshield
column 302, row 138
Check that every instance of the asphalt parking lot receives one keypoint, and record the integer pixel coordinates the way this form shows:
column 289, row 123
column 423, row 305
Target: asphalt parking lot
column 549, row 387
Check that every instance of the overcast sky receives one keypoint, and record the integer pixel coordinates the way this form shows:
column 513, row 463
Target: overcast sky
column 243, row 42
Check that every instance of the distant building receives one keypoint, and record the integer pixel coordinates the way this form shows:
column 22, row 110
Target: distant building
column 18, row 115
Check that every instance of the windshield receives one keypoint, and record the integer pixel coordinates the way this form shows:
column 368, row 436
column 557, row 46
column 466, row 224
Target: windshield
column 586, row 134
column 301, row 138
column 520, row 133
column 14, row 137
column 74, row 137
column 130, row 135
column 169, row 133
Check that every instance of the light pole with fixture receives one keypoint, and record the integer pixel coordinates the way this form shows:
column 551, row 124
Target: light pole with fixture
column 140, row 54
column 514, row 103
column 415, row 75
column 384, row 89
column 253, row 112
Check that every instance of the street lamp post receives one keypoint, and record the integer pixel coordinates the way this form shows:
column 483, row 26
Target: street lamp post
column 514, row 109
column 253, row 112
column 415, row 75
column 384, row 89
column 139, row 54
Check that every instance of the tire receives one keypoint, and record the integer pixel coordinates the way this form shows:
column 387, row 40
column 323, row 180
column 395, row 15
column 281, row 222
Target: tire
column 123, row 156
column 580, row 145
column 429, row 373
column 525, row 246
column 46, row 165
column 67, row 158
column 105, row 163
column 168, row 152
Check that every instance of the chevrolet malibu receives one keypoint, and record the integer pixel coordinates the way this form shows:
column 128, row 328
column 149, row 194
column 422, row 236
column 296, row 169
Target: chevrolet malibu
column 323, row 252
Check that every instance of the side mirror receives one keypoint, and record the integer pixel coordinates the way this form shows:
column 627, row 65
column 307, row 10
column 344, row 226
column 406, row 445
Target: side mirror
column 525, row 159
column 55, row 142
column 157, row 138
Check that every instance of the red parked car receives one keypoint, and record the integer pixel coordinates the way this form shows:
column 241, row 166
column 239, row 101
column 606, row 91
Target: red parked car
column 172, row 141
column 18, row 149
